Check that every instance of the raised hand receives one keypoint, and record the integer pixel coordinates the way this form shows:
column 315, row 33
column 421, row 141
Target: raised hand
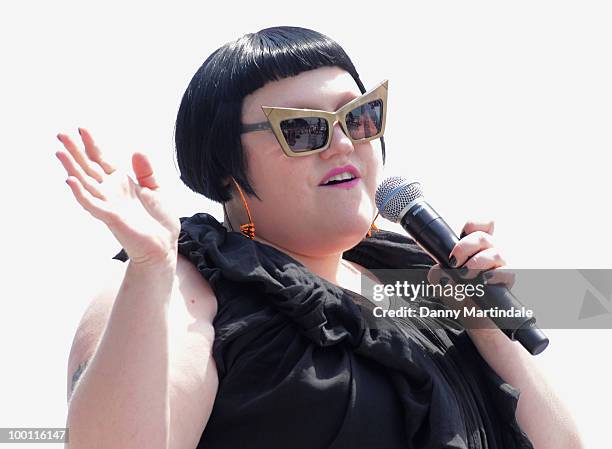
column 132, row 210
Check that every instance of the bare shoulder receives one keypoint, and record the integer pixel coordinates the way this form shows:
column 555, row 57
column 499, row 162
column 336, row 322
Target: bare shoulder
column 194, row 294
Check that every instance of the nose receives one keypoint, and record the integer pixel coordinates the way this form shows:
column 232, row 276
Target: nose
column 340, row 144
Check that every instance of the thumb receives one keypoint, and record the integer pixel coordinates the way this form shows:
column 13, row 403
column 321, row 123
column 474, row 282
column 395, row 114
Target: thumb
column 144, row 171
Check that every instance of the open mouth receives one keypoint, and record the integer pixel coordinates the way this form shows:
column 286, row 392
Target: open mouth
column 341, row 178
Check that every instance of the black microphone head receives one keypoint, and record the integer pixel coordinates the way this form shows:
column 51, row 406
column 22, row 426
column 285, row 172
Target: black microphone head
column 394, row 194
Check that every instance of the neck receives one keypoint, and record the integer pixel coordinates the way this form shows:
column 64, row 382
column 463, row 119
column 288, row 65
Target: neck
column 330, row 267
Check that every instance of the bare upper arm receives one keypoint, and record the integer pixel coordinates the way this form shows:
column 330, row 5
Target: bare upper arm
column 93, row 321
column 193, row 378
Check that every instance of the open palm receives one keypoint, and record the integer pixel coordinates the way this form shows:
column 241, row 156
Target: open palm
column 132, row 210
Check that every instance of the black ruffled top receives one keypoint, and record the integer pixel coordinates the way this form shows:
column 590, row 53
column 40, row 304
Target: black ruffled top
column 299, row 366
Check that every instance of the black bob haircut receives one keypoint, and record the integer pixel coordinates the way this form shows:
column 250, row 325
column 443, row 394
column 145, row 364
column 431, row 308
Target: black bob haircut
column 207, row 130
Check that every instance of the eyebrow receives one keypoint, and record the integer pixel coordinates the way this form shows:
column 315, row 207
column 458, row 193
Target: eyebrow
column 346, row 98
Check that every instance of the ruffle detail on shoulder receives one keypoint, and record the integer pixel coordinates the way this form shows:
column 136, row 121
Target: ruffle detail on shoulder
column 323, row 312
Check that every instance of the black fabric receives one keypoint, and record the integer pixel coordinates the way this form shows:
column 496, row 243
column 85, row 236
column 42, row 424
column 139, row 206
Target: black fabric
column 299, row 366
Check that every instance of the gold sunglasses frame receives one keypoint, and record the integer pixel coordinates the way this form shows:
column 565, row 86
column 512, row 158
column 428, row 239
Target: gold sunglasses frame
column 276, row 115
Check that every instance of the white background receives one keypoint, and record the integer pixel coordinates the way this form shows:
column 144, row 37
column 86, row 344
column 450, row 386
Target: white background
column 501, row 110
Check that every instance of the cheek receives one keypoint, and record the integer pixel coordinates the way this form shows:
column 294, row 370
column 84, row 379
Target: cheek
column 282, row 189
column 285, row 200
column 280, row 182
column 374, row 165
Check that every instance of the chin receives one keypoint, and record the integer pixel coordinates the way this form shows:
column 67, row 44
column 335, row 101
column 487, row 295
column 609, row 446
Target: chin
column 345, row 237
column 328, row 240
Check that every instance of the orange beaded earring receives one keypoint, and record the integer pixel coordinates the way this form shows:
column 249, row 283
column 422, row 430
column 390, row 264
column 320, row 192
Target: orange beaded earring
column 247, row 229
column 373, row 227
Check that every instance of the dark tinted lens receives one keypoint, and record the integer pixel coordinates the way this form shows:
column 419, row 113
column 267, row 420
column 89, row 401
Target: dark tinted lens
column 365, row 120
column 303, row 134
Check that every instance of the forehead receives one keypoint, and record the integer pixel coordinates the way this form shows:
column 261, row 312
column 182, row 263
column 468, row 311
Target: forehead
column 325, row 88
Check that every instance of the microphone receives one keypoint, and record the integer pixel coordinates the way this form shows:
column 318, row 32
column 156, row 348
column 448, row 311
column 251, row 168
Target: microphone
column 401, row 201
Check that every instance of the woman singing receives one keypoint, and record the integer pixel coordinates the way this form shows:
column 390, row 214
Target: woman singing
column 251, row 333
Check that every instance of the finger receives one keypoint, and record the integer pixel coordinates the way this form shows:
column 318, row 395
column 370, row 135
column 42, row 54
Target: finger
column 487, row 226
column 502, row 276
column 468, row 246
column 144, row 171
column 437, row 275
column 483, row 260
column 80, row 159
column 94, row 153
column 74, row 170
column 91, row 204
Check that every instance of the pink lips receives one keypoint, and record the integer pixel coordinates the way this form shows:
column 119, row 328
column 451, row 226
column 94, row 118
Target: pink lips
column 335, row 171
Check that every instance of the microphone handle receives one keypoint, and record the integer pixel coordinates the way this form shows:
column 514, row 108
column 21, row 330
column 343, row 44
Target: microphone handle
column 436, row 237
